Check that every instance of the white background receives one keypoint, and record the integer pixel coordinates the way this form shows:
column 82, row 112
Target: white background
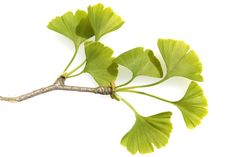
column 70, row 124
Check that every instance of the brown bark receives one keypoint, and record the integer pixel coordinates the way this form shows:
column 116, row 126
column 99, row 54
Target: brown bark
column 59, row 84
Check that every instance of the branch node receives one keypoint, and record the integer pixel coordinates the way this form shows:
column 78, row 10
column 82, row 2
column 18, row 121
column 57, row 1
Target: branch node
column 60, row 81
column 103, row 90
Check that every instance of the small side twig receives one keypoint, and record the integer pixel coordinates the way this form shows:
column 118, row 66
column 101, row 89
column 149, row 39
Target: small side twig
column 58, row 85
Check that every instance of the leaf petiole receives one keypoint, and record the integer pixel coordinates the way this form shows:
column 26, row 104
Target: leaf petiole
column 72, row 59
column 75, row 69
column 142, row 86
column 126, row 83
column 147, row 94
column 70, row 76
column 128, row 104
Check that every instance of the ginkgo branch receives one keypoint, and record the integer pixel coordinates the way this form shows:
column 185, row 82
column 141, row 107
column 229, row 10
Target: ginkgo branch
column 179, row 59
column 58, row 85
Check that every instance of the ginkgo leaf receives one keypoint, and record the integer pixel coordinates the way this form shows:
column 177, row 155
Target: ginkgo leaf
column 193, row 105
column 180, row 60
column 84, row 28
column 67, row 26
column 103, row 20
column 99, row 63
column 148, row 131
column 140, row 62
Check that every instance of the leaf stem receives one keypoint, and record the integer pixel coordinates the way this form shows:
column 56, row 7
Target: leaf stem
column 147, row 94
column 127, row 103
column 70, row 76
column 124, row 84
column 72, row 59
column 143, row 86
column 75, row 69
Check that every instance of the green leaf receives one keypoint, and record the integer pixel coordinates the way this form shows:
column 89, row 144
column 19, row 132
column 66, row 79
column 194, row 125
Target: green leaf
column 193, row 105
column 103, row 20
column 148, row 131
column 140, row 62
column 180, row 59
column 84, row 28
column 67, row 26
column 100, row 63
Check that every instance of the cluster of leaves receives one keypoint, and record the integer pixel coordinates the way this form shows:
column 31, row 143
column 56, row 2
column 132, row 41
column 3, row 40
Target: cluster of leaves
column 179, row 60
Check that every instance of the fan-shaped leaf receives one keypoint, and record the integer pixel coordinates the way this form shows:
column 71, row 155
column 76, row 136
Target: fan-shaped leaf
column 67, row 26
column 140, row 62
column 84, row 28
column 103, row 20
column 148, row 131
column 180, row 60
column 193, row 105
column 100, row 63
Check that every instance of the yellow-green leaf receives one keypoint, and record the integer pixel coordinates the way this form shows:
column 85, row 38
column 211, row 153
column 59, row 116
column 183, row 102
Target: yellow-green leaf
column 84, row 28
column 99, row 63
column 180, row 60
column 193, row 105
column 140, row 62
column 103, row 20
column 67, row 25
column 148, row 131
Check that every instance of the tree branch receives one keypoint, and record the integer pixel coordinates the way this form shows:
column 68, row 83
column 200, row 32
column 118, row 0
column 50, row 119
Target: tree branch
column 59, row 85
